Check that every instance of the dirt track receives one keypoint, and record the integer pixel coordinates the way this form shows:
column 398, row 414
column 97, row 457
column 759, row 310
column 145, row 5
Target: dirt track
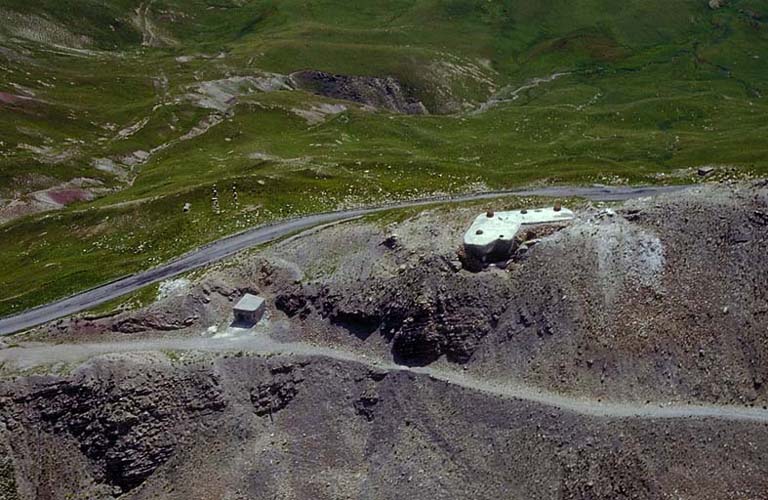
column 34, row 356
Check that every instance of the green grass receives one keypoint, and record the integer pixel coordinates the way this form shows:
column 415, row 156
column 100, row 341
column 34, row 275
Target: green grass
column 653, row 87
column 136, row 300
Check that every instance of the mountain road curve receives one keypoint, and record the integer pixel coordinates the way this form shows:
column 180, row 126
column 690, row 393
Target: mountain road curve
column 31, row 356
column 225, row 247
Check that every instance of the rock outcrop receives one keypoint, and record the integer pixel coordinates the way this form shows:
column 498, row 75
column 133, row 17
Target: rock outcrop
column 126, row 422
column 123, row 417
column 312, row 428
column 384, row 93
column 426, row 311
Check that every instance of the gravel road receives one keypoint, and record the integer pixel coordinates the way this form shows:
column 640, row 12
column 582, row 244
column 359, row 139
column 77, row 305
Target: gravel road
column 31, row 356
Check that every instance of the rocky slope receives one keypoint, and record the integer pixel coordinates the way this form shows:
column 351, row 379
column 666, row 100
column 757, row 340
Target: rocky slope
column 651, row 302
column 660, row 300
column 138, row 426
column 384, row 93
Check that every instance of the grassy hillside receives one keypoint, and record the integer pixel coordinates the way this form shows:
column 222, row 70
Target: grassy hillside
column 145, row 106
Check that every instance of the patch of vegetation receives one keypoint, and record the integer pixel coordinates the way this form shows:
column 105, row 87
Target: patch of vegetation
column 175, row 357
column 500, row 203
column 136, row 300
column 647, row 89
column 8, row 489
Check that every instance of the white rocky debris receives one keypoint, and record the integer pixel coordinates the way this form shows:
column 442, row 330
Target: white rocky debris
column 220, row 95
column 173, row 287
column 493, row 233
column 319, row 113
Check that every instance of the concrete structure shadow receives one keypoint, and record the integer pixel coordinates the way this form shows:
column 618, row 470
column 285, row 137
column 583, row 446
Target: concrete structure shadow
column 242, row 324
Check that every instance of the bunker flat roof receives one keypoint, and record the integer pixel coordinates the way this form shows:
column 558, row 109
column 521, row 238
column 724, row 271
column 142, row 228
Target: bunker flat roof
column 249, row 303
column 492, row 227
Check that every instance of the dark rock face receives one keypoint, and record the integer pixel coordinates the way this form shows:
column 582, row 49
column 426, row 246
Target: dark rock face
column 121, row 426
column 426, row 311
column 292, row 302
column 145, row 429
column 385, row 93
column 365, row 407
column 128, row 419
column 270, row 397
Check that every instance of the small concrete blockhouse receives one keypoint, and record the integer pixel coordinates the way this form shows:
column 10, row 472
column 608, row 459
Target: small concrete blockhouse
column 494, row 233
column 250, row 309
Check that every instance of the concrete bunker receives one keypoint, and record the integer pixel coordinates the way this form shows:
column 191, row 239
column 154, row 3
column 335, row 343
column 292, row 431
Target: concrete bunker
column 250, row 309
column 492, row 235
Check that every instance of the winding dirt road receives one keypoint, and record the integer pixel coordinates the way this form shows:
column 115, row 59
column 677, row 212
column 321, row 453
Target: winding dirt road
column 31, row 356
column 226, row 247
